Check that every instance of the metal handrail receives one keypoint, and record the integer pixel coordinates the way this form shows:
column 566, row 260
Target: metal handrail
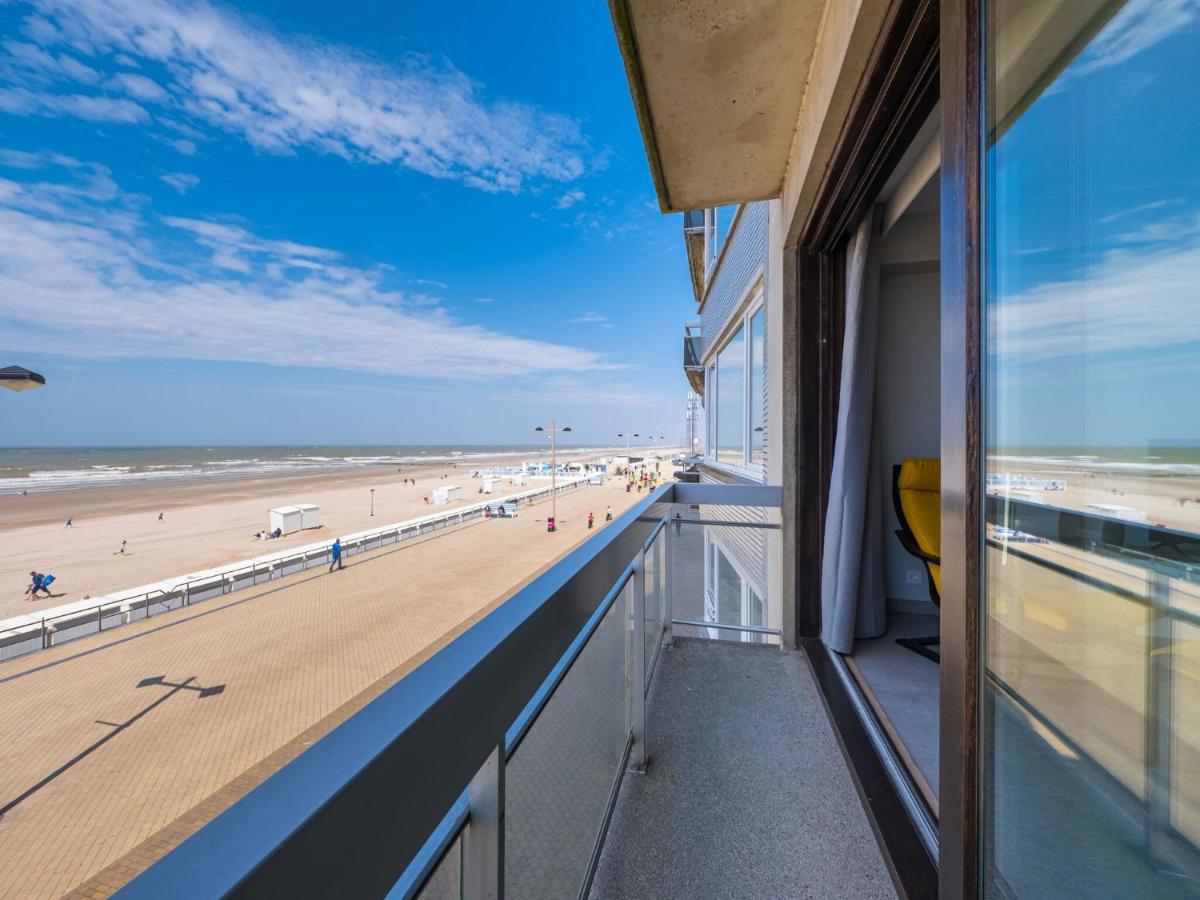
column 357, row 809
column 183, row 589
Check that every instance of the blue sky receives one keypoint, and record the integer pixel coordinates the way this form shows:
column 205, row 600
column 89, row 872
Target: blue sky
column 329, row 223
column 1095, row 243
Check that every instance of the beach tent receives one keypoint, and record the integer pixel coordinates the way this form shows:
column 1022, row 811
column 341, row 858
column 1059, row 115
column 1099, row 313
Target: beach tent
column 310, row 515
column 287, row 519
column 443, row 495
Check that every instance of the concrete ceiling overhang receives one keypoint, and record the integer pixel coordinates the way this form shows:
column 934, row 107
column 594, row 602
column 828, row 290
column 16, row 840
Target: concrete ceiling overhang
column 717, row 85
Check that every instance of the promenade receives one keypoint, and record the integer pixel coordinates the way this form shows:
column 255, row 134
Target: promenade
column 121, row 744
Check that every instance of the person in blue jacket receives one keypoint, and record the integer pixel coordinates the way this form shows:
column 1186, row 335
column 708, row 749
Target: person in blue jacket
column 335, row 553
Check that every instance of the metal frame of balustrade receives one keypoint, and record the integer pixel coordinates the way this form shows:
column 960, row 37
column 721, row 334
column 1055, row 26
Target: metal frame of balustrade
column 1161, row 554
column 51, row 631
column 371, row 809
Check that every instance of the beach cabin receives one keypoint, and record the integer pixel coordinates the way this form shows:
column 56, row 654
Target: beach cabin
column 286, row 519
column 443, row 495
column 310, row 515
column 491, row 485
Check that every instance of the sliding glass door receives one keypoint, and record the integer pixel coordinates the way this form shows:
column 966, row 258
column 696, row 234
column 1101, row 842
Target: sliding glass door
column 1091, row 544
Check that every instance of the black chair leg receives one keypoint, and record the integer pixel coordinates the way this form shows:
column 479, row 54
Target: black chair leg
column 923, row 646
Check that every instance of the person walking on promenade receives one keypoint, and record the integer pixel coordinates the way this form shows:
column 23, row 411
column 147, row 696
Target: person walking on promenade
column 591, row 519
column 608, row 514
column 335, row 553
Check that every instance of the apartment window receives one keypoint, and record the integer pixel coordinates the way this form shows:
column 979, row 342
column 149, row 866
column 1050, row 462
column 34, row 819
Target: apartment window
column 758, row 368
column 731, row 599
column 1091, row 709
column 718, row 223
column 731, row 400
column 737, row 426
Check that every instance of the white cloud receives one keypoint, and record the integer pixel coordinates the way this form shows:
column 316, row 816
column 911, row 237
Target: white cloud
column 570, row 198
column 485, row 300
column 591, row 318
column 428, row 283
column 22, row 101
column 181, row 181
column 1138, row 26
column 138, row 86
column 1139, row 300
column 282, row 93
column 91, row 279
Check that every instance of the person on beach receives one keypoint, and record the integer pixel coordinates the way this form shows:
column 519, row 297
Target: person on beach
column 38, row 583
column 335, row 554
column 70, row 523
column 120, row 551
column 591, row 519
column 608, row 514
column 160, row 518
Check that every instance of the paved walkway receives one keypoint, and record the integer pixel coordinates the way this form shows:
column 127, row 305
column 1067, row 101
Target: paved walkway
column 747, row 793
column 119, row 745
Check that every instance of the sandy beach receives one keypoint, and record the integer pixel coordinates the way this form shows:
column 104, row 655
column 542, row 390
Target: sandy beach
column 294, row 658
column 1172, row 501
column 204, row 524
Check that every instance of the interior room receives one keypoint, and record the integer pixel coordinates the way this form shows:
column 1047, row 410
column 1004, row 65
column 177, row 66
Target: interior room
column 894, row 656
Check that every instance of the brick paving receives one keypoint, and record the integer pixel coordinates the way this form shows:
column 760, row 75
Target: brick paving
column 293, row 658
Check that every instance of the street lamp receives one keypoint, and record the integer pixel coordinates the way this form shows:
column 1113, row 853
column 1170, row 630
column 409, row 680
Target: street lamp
column 552, row 525
column 627, row 436
column 372, row 501
column 17, row 379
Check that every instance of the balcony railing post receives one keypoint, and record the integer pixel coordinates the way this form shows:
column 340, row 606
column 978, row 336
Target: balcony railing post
column 668, row 584
column 1159, row 720
column 637, row 680
column 483, row 838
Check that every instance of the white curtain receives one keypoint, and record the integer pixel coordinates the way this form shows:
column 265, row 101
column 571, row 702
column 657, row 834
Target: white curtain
column 853, row 604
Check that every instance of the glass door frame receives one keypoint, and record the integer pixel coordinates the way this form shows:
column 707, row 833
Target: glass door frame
column 961, row 59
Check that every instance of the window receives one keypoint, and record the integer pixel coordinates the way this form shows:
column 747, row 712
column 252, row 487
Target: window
column 757, row 383
column 736, row 388
column 731, row 400
column 730, row 599
column 718, row 223
column 1090, row 723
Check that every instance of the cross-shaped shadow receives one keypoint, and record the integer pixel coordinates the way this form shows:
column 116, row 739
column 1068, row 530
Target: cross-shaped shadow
column 117, row 728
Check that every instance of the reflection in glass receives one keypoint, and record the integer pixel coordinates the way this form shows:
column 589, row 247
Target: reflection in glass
column 757, row 372
column 731, row 398
column 1092, row 253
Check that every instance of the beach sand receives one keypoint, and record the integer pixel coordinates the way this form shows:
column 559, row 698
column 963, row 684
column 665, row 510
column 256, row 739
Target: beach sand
column 295, row 658
column 1172, row 501
column 205, row 525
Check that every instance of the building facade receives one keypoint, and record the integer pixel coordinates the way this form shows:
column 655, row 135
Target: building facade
column 727, row 248
column 956, row 221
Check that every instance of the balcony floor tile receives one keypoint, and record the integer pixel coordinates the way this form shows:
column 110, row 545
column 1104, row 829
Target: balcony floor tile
column 747, row 793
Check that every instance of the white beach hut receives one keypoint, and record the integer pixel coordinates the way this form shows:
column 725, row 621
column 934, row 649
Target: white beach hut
column 443, row 495
column 491, row 485
column 286, row 519
column 310, row 515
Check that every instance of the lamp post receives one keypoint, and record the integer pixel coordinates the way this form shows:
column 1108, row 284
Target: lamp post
column 16, row 378
column 627, row 436
column 552, row 525
column 372, row 501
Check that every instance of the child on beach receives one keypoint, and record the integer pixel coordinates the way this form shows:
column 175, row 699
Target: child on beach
column 120, row 551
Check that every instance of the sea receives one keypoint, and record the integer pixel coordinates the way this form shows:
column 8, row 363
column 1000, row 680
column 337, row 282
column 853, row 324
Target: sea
column 38, row 470
column 1166, row 460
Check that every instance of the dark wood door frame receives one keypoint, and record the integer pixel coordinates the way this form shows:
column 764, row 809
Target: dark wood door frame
column 962, row 429
column 895, row 97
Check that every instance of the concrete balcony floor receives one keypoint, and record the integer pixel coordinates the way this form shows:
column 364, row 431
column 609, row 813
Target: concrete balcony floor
column 746, row 794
